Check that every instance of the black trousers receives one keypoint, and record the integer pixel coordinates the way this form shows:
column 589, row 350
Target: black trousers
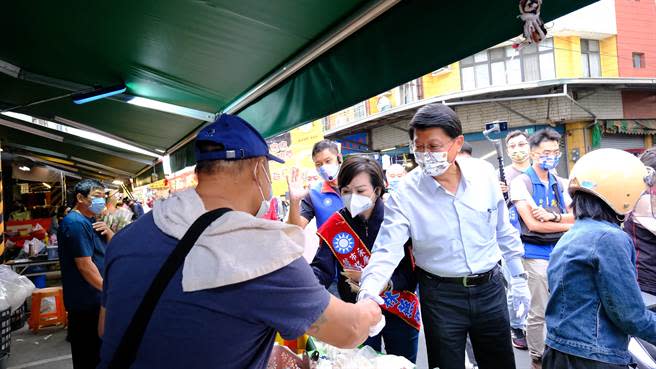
column 554, row 359
column 83, row 335
column 451, row 311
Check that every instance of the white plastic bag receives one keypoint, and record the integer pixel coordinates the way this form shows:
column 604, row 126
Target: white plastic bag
column 14, row 287
column 364, row 358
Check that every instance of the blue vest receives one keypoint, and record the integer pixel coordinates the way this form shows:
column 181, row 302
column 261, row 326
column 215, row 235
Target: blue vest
column 325, row 202
column 546, row 198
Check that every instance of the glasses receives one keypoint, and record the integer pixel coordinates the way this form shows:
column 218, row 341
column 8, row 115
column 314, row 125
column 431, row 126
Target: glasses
column 428, row 148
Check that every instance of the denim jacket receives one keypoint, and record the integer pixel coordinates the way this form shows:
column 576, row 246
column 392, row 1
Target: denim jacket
column 595, row 301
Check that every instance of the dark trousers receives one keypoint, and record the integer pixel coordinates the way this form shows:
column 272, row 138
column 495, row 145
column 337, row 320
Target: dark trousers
column 83, row 335
column 400, row 338
column 451, row 311
column 554, row 359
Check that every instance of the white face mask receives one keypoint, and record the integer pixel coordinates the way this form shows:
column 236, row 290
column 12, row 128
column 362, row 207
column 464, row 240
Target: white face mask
column 357, row 204
column 266, row 203
column 433, row 164
column 328, row 172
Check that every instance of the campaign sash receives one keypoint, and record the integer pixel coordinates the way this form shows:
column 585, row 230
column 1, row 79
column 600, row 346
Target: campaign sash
column 351, row 253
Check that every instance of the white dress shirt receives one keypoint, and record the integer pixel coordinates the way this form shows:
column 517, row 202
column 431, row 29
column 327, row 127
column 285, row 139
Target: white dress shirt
column 453, row 235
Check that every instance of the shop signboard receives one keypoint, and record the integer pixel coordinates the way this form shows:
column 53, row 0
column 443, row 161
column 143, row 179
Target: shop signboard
column 295, row 147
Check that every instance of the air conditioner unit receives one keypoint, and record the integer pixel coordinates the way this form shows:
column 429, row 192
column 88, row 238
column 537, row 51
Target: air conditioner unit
column 441, row 71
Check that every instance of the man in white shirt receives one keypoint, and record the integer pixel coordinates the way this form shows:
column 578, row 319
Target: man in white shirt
column 458, row 221
column 518, row 150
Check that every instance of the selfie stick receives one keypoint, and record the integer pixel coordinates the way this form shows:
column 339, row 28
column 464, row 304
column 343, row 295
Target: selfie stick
column 497, row 145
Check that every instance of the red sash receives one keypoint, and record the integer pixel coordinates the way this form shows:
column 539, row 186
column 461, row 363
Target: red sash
column 352, row 253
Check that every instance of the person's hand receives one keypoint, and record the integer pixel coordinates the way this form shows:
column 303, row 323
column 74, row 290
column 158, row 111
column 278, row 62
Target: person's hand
column 521, row 296
column 504, row 187
column 352, row 274
column 543, row 215
column 371, row 309
column 297, row 189
column 103, row 229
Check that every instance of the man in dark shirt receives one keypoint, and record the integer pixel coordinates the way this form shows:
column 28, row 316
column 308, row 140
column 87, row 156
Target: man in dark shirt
column 244, row 280
column 81, row 256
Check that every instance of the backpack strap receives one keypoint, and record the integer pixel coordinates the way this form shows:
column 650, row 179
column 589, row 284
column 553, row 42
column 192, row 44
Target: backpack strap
column 558, row 192
column 127, row 349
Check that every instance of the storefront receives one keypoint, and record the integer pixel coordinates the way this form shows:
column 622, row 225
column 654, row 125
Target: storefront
column 633, row 135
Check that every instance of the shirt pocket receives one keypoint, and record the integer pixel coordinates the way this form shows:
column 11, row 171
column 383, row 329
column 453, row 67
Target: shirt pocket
column 478, row 224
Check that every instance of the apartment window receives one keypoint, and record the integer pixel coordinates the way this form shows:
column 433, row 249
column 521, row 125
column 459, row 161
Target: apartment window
column 638, row 60
column 505, row 65
column 590, row 58
column 409, row 92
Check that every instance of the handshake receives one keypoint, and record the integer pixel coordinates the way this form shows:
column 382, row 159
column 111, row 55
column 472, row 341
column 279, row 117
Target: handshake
column 365, row 298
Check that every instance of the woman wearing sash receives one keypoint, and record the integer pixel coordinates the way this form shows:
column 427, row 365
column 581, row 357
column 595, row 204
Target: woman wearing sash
column 348, row 236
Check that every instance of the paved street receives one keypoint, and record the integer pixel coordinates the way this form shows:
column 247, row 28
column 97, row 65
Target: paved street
column 49, row 350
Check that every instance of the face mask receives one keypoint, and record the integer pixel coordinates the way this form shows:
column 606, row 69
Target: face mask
column 519, row 156
column 394, row 184
column 97, row 205
column 548, row 162
column 357, row 204
column 265, row 205
column 328, row 172
column 433, row 164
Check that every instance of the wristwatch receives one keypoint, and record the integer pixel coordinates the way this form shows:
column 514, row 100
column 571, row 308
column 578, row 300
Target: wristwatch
column 522, row 275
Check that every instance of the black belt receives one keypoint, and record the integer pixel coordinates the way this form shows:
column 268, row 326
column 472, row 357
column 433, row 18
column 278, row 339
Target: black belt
column 471, row 280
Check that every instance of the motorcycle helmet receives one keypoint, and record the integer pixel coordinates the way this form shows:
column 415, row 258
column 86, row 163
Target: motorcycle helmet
column 616, row 177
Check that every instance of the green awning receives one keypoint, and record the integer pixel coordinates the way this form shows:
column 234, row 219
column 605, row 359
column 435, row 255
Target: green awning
column 631, row 126
column 207, row 54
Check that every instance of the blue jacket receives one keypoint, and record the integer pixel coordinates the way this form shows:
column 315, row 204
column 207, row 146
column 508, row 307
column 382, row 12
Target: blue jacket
column 595, row 301
column 323, row 264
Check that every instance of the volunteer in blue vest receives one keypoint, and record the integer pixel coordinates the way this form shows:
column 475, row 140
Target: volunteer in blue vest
column 322, row 199
column 541, row 202
column 456, row 216
column 347, row 238
column 243, row 280
column 595, row 302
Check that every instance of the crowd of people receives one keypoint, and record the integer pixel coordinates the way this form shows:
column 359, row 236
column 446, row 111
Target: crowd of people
column 208, row 278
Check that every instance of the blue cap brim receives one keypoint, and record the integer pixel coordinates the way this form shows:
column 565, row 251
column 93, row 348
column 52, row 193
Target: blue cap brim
column 275, row 158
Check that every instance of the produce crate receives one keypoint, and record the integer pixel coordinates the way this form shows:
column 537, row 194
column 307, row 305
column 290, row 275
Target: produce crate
column 5, row 331
column 19, row 317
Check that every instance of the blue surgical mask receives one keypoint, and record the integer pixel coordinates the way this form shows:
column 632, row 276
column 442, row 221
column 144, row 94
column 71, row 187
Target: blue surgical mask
column 548, row 162
column 394, row 184
column 97, row 205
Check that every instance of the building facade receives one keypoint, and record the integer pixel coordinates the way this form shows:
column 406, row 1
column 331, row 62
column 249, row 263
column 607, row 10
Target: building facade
column 594, row 76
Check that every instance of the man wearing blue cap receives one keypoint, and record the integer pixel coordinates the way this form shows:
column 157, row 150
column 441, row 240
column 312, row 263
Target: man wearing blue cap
column 243, row 280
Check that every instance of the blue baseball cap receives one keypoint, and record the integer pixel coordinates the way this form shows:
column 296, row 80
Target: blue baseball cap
column 238, row 139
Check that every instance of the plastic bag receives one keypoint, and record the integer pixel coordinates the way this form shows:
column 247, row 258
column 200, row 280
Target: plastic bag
column 364, row 358
column 35, row 245
column 14, row 288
